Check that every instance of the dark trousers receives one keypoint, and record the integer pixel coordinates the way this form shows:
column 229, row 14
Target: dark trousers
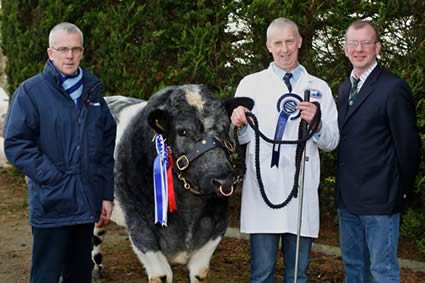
column 62, row 251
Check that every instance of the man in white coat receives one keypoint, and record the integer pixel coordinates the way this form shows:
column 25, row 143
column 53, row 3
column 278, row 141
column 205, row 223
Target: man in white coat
column 278, row 95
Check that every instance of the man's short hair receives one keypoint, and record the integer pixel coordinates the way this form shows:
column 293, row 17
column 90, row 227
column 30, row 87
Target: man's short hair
column 66, row 27
column 359, row 24
column 282, row 22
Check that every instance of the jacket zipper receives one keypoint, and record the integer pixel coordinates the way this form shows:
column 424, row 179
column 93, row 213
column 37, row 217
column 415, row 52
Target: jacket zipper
column 85, row 100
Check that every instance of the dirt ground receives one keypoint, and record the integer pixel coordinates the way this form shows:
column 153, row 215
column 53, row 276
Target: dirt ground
column 230, row 262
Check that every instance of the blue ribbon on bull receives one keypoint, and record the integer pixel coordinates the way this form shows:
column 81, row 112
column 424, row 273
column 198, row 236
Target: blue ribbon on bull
column 286, row 105
column 160, row 181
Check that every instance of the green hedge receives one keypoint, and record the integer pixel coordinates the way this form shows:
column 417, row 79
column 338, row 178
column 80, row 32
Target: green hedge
column 138, row 47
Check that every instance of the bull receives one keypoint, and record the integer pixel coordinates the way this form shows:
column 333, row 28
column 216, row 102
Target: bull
column 196, row 128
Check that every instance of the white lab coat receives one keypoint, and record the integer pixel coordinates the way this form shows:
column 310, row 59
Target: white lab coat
column 265, row 88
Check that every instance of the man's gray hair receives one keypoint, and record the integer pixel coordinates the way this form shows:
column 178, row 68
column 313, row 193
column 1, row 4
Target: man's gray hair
column 282, row 22
column 66, row 27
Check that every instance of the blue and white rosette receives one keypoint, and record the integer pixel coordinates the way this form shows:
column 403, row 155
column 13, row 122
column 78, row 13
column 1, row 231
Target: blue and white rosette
column 287, row 107
column 160, row 181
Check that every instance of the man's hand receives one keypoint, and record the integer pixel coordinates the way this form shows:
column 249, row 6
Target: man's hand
column 238, row 117
column 105, row 215
column 308, row 110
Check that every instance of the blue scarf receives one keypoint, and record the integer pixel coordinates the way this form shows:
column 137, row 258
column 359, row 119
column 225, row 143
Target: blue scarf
column 73, row 85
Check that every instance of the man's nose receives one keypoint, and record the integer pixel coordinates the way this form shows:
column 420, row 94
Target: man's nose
column 69, row 54
column 359, row 47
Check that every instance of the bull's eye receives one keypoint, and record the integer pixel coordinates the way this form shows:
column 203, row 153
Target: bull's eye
column 182, row 132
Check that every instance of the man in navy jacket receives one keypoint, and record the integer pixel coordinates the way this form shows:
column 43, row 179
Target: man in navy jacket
column 60, row 133
column 378, row 158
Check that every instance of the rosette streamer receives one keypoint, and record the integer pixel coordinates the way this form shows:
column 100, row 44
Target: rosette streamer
column 163, row 182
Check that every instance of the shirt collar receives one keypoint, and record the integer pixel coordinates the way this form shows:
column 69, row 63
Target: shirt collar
column 296, row 72
column 364, row 75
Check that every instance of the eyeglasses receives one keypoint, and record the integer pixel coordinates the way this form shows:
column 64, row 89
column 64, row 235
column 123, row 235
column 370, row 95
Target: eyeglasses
column 363, row 43
column 64, row 50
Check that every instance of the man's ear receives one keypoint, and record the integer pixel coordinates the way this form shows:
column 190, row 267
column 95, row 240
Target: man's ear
column 300, row 42
column 50, row 53
column 232, row 103
column 159, row 121
column 268, row 45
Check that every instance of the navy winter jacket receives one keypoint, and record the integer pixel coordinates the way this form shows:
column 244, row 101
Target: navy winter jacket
column 66, row 153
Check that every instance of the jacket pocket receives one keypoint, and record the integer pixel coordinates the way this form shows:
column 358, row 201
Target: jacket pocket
column 61, row 199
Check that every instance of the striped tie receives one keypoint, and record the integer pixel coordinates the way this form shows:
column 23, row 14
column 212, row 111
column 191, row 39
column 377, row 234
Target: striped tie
column 354, row 91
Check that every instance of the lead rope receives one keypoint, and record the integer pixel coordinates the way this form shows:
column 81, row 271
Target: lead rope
column 301, row 143
column 240, row 166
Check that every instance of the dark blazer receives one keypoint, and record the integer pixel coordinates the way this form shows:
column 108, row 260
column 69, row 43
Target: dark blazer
column 379, row 150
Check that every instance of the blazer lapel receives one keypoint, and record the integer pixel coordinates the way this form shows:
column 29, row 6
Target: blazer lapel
column 343, row 101
column 367, row 88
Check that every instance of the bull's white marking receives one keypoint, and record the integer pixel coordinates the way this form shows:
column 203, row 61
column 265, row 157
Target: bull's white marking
column 180, row 258
column 200, row 261
column 195, row 99
column 117, row 215
column 4, row 105
column 125, row 117
column 3, row 159
column 155, row 263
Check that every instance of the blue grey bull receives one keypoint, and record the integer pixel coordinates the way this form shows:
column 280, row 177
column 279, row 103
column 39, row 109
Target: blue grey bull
column 187, row 116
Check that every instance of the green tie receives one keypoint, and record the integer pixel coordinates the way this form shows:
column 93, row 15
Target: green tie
column 353, row 91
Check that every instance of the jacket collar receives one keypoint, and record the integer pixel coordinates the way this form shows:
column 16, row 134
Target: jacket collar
column 368, row 87
column 50, row 71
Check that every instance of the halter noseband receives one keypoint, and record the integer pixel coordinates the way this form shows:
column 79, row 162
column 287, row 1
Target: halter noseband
column 203, row 145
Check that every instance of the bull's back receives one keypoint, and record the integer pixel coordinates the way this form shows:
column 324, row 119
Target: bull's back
column 123, row 109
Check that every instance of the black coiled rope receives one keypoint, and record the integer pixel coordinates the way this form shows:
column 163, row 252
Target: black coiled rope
column 304, row 134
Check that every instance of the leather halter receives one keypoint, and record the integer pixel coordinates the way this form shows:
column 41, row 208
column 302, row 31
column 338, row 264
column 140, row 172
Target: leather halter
column 203, row 145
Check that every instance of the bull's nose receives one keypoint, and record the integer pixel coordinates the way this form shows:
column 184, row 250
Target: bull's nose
column 224, row 186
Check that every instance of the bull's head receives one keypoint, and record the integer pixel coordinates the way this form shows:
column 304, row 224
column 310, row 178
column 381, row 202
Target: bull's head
column 196, row 126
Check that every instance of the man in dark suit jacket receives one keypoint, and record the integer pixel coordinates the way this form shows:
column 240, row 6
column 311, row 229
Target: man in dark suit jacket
column 378, row 158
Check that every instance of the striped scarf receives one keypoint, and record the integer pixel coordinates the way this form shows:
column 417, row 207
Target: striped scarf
column 73, row 85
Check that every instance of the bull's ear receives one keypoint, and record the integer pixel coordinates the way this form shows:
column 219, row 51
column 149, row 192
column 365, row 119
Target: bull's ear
column 234, row 102
column 159, row 120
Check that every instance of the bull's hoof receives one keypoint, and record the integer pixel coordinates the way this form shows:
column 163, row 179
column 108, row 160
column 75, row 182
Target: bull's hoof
column 202, row 278
column 98, row 274
column 162, row 279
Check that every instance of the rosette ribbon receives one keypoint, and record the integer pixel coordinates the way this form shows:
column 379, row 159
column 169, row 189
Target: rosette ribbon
column 163, row 182
column 287, row 108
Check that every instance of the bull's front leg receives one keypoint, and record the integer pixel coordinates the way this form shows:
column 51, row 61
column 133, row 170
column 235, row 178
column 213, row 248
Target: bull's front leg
column 199, row 263
column 155, row 263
